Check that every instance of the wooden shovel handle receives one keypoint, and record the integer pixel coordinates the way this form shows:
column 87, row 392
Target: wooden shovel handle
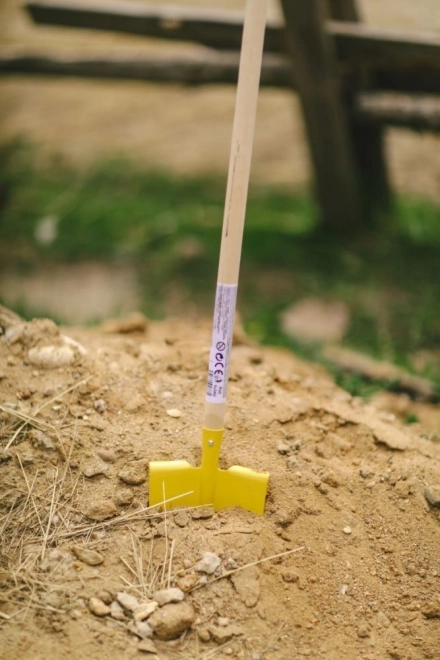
column 235, row 209
column 242, row 141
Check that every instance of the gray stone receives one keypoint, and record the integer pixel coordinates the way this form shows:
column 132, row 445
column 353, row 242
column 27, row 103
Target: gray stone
column 127, row 601
column 117, row 611
column 107, row 455
column 144, row 610
column 209, row 563
column 172, row 595
column 143, row 630
column 432, row 495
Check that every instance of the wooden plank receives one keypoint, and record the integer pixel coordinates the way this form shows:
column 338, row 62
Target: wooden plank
column 217, row 29
column 367, row 138
column 222, row 30
column 314, row 65
column 419, row 114
column 218, row 68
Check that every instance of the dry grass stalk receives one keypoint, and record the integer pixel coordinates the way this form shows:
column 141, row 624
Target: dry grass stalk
column 227, row 574
column 28, row 420
column 149, row 576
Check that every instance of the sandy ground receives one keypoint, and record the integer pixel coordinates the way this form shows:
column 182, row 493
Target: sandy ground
column 185, row 130
column 358, row 572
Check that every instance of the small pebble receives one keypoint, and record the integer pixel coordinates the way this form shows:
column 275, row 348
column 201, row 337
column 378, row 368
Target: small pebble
column 107, row 455
column 347, row 530
column 204, row 634
column 283, row 448
column 187, row 582
column 98, row 608
column 202, row 513
column 172, row 595
column 143, row 630
column 174, row 412
column 117, row 612
column 124, row 497
column 209, row 563
column 432, row 495
column 127, row 601
column 100, row 510
column 171, row 620
column 93, row 468
column 100, row 406
column 144, row 610
column 90, row 557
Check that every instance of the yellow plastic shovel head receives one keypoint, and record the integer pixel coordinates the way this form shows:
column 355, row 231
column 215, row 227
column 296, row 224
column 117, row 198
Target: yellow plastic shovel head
column 177, row 483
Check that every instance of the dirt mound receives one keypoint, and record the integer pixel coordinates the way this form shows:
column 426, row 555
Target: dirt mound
column 344, row 563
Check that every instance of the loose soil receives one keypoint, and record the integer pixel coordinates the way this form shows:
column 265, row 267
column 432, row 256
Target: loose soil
column 358, row 567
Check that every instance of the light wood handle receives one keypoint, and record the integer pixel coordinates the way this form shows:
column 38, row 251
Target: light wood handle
column 242, row 141
column 238, row 176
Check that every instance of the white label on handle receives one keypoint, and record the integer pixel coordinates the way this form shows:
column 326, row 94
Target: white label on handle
column 222, row 331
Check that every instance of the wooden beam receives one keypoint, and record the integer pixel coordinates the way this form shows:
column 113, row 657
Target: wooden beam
column 218, row 68
column 363, row 44
column 356, row 43
column 314, row 66
column 419, row 114
column 217, row 29
column 367, row 138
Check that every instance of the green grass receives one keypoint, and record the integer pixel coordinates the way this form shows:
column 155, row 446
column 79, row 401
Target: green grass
column 170, row 228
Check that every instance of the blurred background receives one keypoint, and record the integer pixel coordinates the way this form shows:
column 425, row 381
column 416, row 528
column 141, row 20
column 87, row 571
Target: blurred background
column 111, row 200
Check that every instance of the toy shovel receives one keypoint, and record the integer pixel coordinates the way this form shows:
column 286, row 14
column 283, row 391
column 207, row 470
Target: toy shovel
column 177, row 483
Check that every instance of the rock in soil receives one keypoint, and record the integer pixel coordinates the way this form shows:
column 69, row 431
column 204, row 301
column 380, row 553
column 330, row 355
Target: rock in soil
column 222, row 634
column 98, row 607
column 101, row 510
column 164, row 596
column 432, row 495
column 144, row 610
column 94, row 468
column 172, row 620
column 90, row 557
column 127, row 601
column 142, row 629
column 134, row 473
column 51, row 357
column 117, row 611
column 187, row 582
column 209, row 563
